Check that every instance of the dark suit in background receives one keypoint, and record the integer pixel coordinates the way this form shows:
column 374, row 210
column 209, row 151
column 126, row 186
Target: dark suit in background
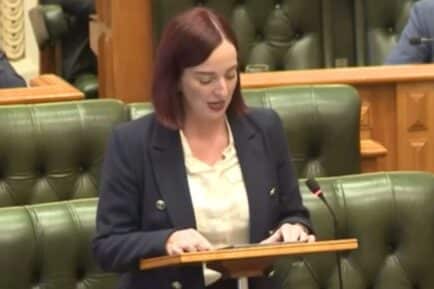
column 9, row 78
column 144, row 167
column 419, row 25
column 77, row 55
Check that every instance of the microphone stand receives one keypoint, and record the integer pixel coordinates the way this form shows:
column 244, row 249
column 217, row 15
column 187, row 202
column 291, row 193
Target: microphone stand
column 335, row 227
column 315, row 189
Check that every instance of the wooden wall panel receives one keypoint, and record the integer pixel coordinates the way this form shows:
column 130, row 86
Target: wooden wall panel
column 415, row 126
column 125, row 50
column 382, row 114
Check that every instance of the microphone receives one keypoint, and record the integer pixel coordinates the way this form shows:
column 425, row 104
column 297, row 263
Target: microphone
column 420, row 40
column 315, row 189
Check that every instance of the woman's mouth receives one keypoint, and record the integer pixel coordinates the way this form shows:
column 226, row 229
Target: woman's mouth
column 216, row 105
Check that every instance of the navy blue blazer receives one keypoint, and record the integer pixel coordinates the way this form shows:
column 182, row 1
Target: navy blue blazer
column 420, row 24
column 144, row 195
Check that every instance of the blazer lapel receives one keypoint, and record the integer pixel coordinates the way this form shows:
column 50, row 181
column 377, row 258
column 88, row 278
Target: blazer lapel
column 255, row 169
column 168, row 164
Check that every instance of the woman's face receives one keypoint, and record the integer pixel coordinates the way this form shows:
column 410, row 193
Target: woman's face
column 208, row 87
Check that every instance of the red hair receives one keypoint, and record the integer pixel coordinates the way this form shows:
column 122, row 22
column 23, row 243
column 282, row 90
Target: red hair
column 187, row 41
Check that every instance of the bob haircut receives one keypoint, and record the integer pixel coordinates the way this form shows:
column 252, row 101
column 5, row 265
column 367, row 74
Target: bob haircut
column 187, row 41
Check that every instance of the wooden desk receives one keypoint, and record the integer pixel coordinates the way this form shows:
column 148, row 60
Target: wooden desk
column 397, row 110
column 44, row 88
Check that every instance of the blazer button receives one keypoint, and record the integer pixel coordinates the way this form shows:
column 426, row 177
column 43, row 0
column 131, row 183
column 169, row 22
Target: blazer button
column 272, row 191
column 160, row 205
column 176, row 285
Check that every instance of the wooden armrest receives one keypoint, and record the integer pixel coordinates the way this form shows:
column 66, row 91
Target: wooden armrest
column 43, row 88
column 372, row 149
column 48, row 79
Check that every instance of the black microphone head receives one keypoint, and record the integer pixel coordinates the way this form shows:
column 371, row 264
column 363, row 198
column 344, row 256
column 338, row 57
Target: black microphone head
column 415, row 40
column 313, row 185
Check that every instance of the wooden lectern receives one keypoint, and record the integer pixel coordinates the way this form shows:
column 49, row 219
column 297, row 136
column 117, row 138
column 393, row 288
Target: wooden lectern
column 248, row 260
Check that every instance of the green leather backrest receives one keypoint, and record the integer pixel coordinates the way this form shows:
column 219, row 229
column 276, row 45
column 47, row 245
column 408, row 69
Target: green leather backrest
column 53, row 152
column 321, row 123
column 391, row 215
column 378, row 24
column 49, row 246
column 282, row 34
column 304, row 34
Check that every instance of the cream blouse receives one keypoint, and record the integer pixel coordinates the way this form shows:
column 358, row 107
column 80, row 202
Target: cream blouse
column 219, row 198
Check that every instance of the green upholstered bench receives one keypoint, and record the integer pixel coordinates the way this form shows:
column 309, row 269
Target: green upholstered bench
column 392, row 216
column 53, row 152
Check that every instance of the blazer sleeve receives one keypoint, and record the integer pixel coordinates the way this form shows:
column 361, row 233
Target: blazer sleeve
column 119, row 242
column 404, row 52
column 290, row 201
column 8, row 76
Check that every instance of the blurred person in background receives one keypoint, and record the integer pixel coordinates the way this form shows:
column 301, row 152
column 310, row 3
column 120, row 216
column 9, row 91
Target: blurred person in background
column 416, row 43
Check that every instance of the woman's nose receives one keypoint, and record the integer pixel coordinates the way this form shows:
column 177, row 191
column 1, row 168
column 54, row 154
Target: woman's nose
column 222, row 86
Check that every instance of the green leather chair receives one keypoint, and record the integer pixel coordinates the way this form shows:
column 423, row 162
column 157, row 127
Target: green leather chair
column 63, row 24
column 281, row 34
column 301, row 34
column 391, row 215
column 321, row 123
column 48, row 246
column 53, row 152
column 378, row 24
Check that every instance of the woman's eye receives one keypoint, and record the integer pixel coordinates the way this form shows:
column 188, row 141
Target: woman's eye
column 231, row 75
column 205, row 80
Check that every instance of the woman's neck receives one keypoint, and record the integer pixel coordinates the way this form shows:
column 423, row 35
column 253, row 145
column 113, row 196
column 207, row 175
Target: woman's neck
column 207, row 140
column 199, row 129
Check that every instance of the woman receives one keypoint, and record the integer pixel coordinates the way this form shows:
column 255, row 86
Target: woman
column 202, row 172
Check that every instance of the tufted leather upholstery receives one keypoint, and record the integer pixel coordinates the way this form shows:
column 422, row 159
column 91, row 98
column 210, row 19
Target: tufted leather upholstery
column 321, row 123
column 301, row 34
column 48, row 246
column 304, row 34
column 53, row 152
column 378, row 26
column 283, row 34
column 392, row 216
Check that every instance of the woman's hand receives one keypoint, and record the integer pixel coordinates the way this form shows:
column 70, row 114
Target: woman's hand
column 188, row 240
column 290, row 233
